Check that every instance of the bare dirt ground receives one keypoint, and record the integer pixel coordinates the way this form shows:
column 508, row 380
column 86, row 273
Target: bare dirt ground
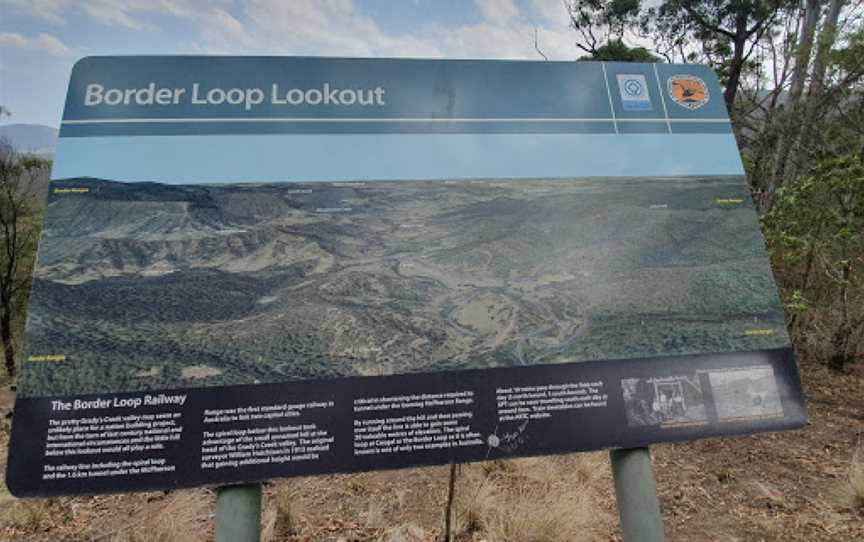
column 791, row 486
column 780, row 486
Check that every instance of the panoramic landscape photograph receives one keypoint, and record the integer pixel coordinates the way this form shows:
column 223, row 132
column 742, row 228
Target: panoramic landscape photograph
column 143, row 285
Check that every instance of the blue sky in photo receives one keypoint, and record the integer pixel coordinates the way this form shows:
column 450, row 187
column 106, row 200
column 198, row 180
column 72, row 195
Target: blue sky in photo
column 338, row 157
column 41, row 39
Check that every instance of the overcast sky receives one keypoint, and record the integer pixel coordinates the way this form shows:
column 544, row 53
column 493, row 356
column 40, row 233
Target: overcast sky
column 41, row 39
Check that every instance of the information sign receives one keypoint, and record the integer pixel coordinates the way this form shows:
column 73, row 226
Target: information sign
column 263, row 267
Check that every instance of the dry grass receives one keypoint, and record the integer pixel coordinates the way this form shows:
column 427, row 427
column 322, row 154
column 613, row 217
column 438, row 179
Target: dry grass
column 282, row 510
column 533, row 500
column 854, row 489
column 21, row 513
column 552, row 499
column 182, row 516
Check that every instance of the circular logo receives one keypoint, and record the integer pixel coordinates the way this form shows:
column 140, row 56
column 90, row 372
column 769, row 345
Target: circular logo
column 633, row 87
column 688, row 91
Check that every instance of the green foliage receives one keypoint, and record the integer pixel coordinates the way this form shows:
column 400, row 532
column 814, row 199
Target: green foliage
column 617, row 51
column 602, row 23
column 824, row 212
column 23, row 182
column 815, row 231
column 847, row 58
column 615, row 15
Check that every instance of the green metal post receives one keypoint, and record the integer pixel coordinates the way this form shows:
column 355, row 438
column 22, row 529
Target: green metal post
column 636, row 493
column 238, row 513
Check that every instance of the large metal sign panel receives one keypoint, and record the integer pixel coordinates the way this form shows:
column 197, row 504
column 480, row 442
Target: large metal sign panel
column 264, row 267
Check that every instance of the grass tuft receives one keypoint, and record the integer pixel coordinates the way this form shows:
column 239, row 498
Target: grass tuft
column 533, row 500
column 855, row 483
column 287, row 508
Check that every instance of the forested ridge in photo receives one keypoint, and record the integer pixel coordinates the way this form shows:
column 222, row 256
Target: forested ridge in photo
column 152, row 286
column 789, row 73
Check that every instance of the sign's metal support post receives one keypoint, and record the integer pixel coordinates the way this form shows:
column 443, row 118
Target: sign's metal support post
column 636, row 493
column 238, row 513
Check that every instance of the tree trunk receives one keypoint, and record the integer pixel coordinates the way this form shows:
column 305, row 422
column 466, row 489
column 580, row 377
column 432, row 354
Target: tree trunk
column 840, row 346
column 840, row 342
column 796, row 89
column 804, row 51
column 824, row 43
column 6, row 337
column 827, row 38
column 736, row 66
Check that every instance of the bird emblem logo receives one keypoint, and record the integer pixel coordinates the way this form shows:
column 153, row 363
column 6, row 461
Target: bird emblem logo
column 688, row 91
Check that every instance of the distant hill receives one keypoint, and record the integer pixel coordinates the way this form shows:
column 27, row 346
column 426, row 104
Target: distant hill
column 32, row 138
column 199, row 285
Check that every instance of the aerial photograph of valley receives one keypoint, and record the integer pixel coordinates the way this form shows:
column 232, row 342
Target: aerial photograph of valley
column 143, row 285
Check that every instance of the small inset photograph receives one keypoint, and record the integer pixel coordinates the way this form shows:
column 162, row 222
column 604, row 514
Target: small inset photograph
column 746, row 393
column 667, row 401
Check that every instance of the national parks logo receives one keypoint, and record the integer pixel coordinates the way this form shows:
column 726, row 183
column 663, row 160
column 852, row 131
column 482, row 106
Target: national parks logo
column 688, row 91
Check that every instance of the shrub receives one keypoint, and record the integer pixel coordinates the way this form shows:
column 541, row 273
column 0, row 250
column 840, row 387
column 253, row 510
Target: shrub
column 815, row 233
